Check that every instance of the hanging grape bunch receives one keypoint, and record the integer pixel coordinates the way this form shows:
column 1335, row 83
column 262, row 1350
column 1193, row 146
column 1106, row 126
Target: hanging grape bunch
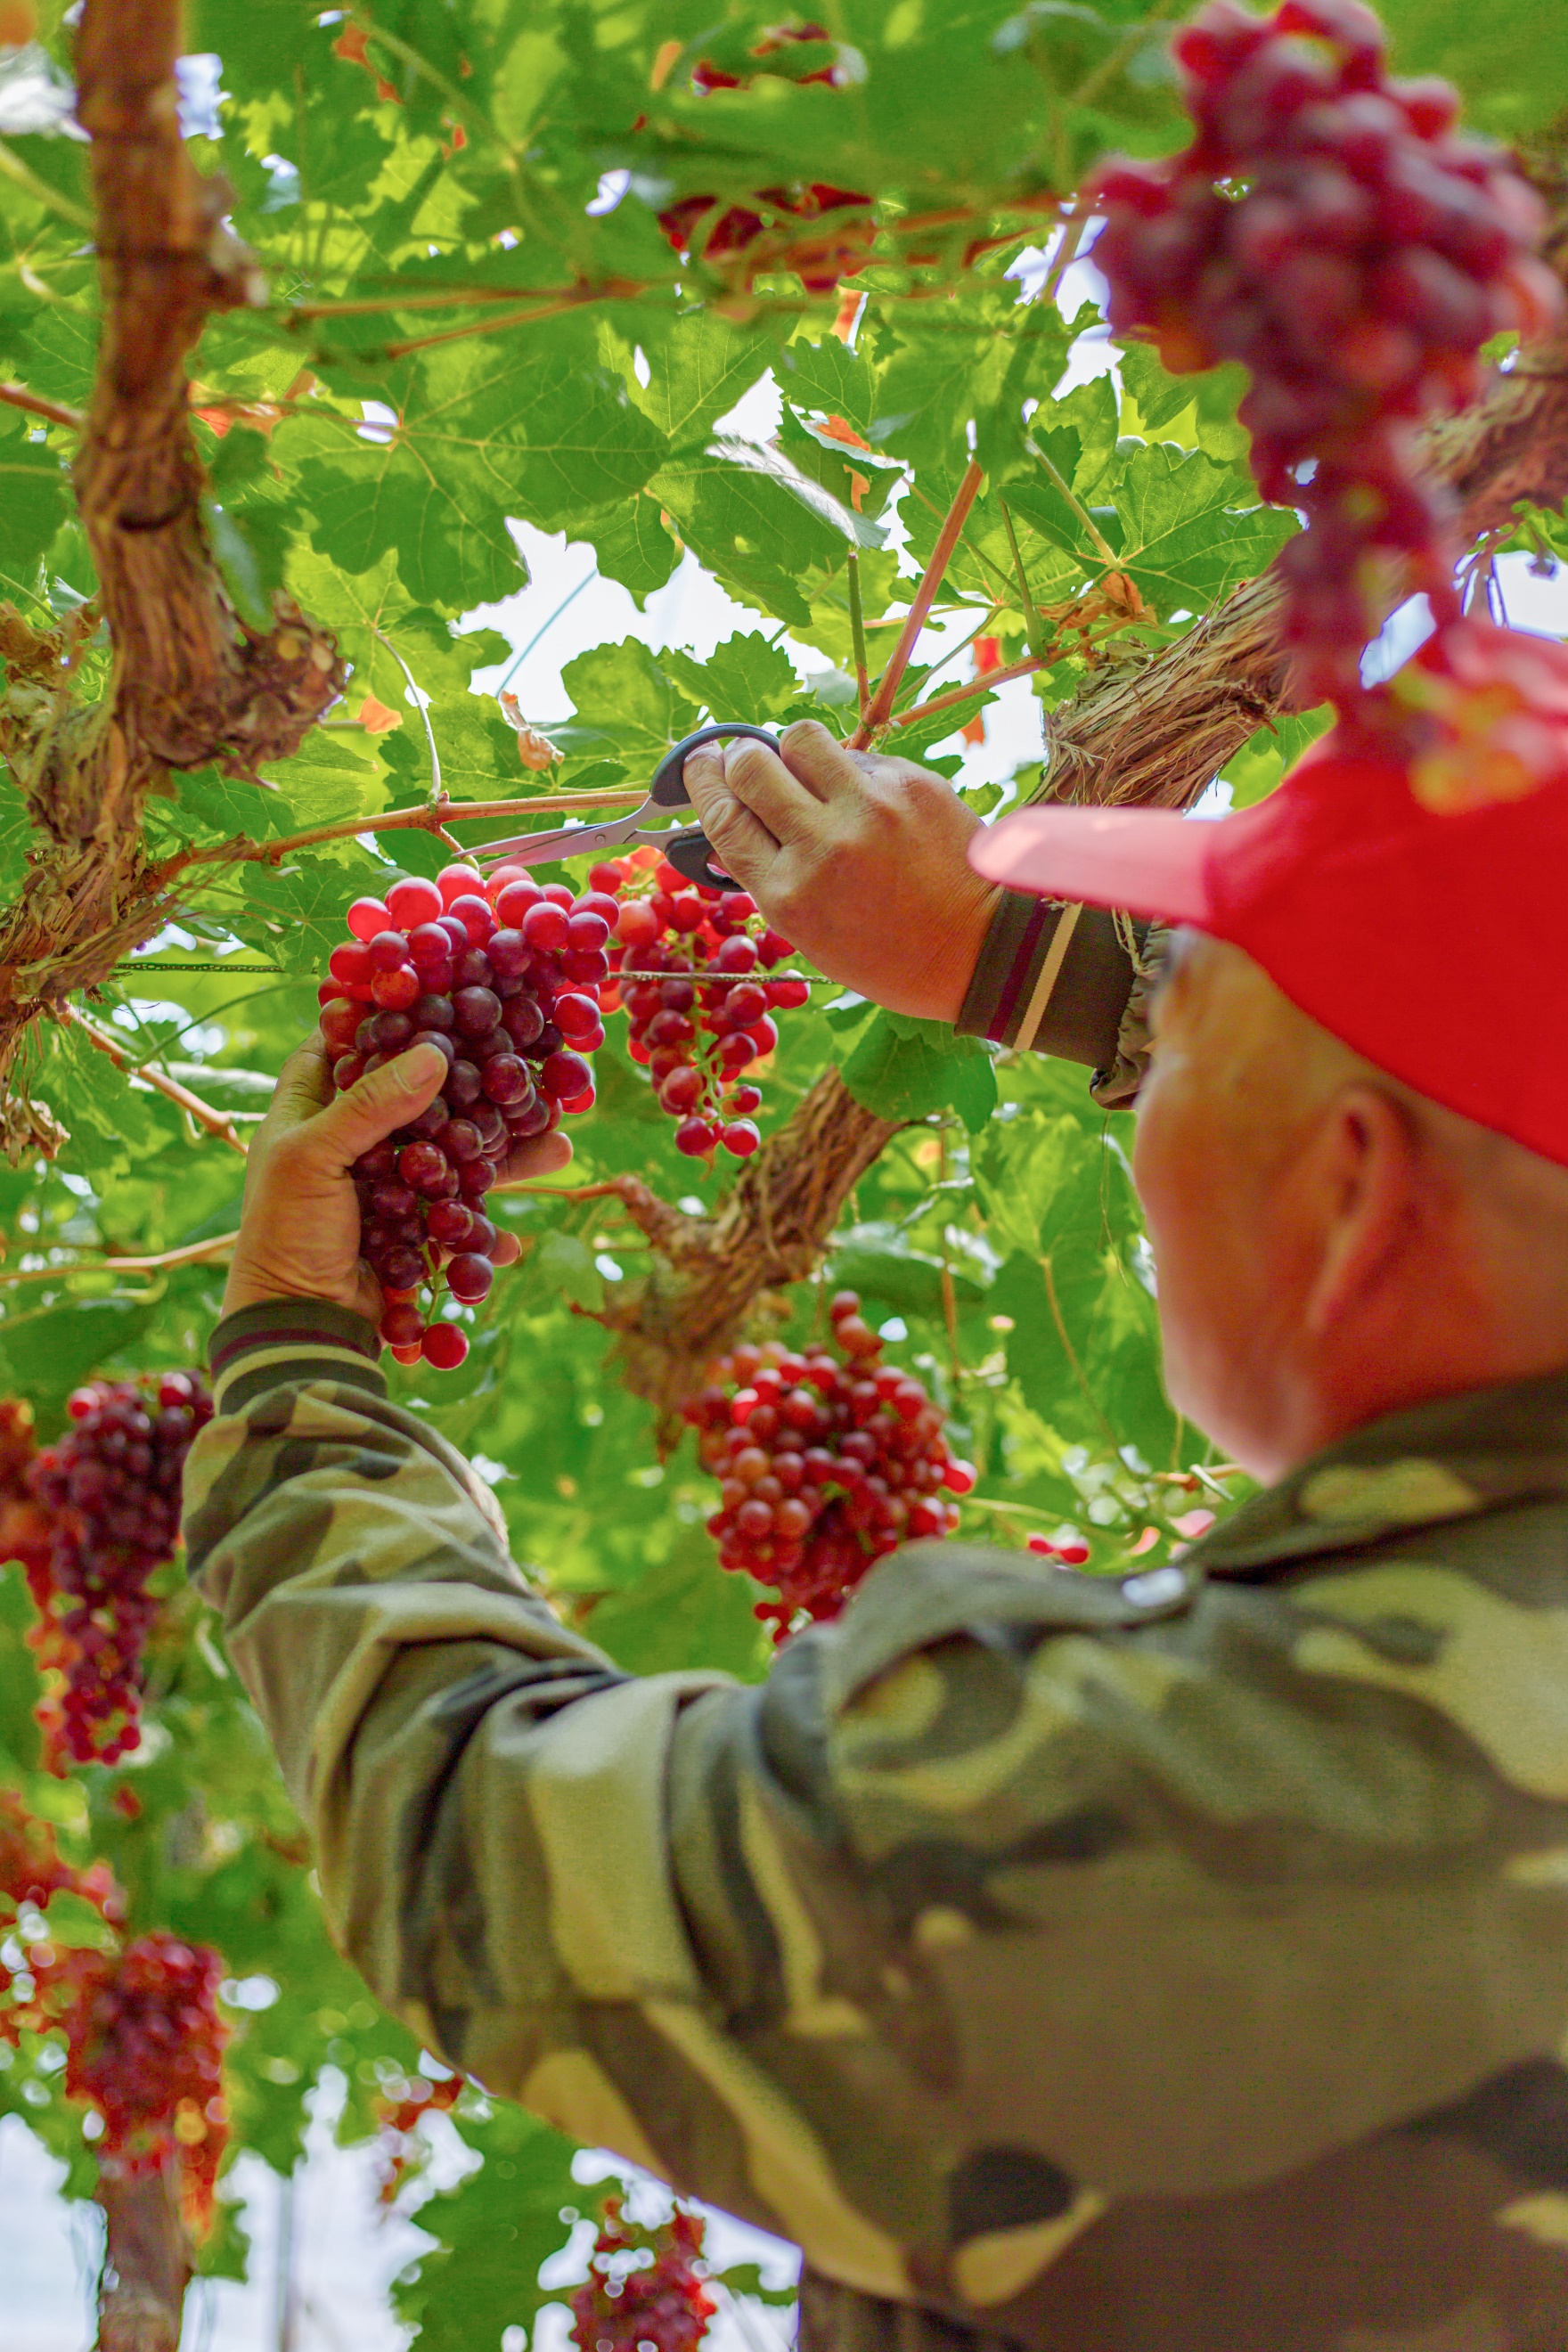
column 502, row 977
column 696, row 1036
column 144, row 2041
column 1328, row 227
column 829, row 1459
column 146, row 2050
column 665, row 2304
column 111, row 1486
column 736, row 234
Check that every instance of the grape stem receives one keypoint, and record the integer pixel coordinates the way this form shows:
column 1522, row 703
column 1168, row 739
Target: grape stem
column 421, row 704
column 1032, row 629
column 879, row 708
column 1095, row 536
column 54, row 412
column 13, row 168
column 858, row 628
column 992, row 678
column 1071, row 1354
column 217, row 1122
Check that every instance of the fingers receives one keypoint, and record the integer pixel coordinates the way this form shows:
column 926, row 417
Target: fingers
column 757, row 776
column 744, row 846
column 820, row 761
column 506, row 1251
column 541, row 1155
column 381, row 1100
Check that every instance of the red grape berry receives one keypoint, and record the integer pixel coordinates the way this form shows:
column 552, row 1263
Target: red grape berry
column 827, row 1459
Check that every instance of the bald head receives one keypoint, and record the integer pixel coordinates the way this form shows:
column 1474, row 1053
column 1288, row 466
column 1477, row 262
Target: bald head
column 1331, row 1244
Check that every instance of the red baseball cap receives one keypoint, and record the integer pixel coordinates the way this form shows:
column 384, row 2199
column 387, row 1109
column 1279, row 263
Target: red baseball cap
column 1413, row 906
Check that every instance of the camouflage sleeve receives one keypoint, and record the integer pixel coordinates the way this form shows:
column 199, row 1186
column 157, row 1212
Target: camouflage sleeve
column 1012, row 1895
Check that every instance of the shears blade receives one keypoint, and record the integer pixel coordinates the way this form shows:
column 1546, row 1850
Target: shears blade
column 687, row 848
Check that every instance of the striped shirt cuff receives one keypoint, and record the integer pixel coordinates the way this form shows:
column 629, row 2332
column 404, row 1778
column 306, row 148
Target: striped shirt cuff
column 292, row 1339
column 1052, row 978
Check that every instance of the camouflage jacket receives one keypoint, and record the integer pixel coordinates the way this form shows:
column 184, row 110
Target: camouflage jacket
column 1170, row 1965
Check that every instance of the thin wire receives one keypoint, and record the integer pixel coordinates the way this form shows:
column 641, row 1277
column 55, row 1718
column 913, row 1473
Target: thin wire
column 520, row 658
column 722, row 979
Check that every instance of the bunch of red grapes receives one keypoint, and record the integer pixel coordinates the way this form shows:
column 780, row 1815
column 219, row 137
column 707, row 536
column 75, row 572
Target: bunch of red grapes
column 829, row 1458
column 503, row 976
column 665, row 2304
column 701, row 1008
column 1327, row 227
column 146, row 2046
column 112, row 1487
column 32, row 1866
column 819, row 261
column 144, row 2041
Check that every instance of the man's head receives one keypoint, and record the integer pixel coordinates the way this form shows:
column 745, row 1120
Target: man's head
column 1331, row 1244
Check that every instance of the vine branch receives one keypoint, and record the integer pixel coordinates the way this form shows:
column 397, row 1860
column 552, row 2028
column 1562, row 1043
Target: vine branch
column 879, row 708
column 190, row 1253
column 217, row 1122
column 191, row 683
column 432, row 816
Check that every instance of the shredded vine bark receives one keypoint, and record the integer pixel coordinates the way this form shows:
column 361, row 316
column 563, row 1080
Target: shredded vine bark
column 191, row 681
column 771, row 1231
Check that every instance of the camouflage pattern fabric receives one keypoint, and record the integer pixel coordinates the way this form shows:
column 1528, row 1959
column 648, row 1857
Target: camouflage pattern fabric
column 1175, row 1965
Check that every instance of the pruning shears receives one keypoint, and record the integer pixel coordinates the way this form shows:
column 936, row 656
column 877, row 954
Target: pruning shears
column 687, row 848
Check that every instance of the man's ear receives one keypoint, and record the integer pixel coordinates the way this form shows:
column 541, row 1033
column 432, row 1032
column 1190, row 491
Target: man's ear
column 1370, row 1181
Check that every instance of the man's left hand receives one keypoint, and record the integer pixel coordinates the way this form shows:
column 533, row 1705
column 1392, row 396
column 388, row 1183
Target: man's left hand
column 300, row 1231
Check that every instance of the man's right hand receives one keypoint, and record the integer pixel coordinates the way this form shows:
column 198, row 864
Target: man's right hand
column 856, row 857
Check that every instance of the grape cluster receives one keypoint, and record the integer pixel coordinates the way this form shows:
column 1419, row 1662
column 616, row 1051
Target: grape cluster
column 820, row 260
column 27, row 1528
column 32, row 1866
column 701, row 1012
column 827, row 1461
column 144, row 2042
column 1327, row 227
column 145, row 2048
column 112, row 1487
column 503, row 976
column 664, row 2304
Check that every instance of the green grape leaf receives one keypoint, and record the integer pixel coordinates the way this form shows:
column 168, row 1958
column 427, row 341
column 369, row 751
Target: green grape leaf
column 632, row 545
column 697, row 371
column 625, row 703
column 746, row 678
column 35, row 494
column 1187, row 541
column 906, row 1069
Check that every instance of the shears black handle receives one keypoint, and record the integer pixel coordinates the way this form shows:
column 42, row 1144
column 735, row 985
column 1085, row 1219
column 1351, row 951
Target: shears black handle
column 690, row 851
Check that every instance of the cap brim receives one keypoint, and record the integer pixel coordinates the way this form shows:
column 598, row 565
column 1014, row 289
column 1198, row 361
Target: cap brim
column 1145, row 861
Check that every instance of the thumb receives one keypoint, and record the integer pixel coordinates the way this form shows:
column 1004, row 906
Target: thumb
column 375, row 1104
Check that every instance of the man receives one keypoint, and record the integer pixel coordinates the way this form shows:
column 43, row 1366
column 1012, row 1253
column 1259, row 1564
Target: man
column 1177, row 1965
